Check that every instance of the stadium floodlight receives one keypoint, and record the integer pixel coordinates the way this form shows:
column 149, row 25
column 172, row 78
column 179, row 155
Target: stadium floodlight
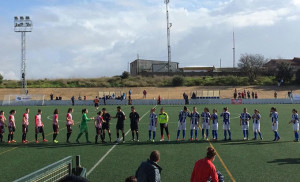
column 168, row 34
column 23, row 25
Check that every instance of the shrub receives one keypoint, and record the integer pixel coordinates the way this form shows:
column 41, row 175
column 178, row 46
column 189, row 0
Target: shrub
column 177, row 81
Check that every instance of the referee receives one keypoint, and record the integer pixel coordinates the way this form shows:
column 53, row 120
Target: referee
column 163, row 119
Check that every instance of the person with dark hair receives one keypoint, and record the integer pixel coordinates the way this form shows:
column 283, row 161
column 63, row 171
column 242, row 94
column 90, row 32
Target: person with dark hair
column 55, row 125
column 134, row 123
column 11, row 126
column 149, row 170
column 83, row 126
column 106, row 125
column 69, row 123
column 274, row 119
column 205, row 122
column 98, row 126
column 244, row 123
column 96, row 103
column 194, row 123
column 256, row 124
column 39, row 126
column 183, row 115
column 204, row 169
column 120, row 123
column 295, row 121
column 163, row 119
column 2, row 125
column 226, row 123
column 73, row 100
column 25, row 123
column 131, row 179
column 152, row 124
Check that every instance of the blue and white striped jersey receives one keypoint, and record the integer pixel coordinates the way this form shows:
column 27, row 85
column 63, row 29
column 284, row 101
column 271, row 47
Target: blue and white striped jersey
column 226, row 117
column 245, row 117
column 153, row 118
column 256, row 118
column 182, row 116
column 195, row 117
column 274, row 117
column 205, row 116
column 214, row 118
column 295, row 118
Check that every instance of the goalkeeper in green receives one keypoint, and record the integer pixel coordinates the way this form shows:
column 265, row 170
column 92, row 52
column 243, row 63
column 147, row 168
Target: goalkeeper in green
column 83, row 126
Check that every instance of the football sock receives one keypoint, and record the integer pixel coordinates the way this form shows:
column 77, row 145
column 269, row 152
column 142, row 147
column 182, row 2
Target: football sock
column 260, row 134
column 96, row 138
column 216, row 134
column 54, row 136
column 68, row 136
column 183, row 133
column 35, row 137
column 229, row 133
column 154, row 135
column 103, row 136
column 207, row 133
column 123, row 136
column 247, row 133
column 196, row 133
column 132, row 133
column 79, row 135
column 1, row 137
column 296, row 135
column 255, row 135
column 178, row 133
column 244, row 133
column 202, row 133
column 109, row 134
column 150, row 134
column 43, row 134
column 8, row 138
column 118, row 135
column 275, row 136
column 225, row 134
column 168, row 137
column 191, row 133
column 12, row 136
column 213, row 133
column 87, row 137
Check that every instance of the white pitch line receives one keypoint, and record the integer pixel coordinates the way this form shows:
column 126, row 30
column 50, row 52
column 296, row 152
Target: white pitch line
column 109, row 151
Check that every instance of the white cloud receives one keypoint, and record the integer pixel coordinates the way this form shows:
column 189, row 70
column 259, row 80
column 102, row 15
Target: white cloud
column 99, row 38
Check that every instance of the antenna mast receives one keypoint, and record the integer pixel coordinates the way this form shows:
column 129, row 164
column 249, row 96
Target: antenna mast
column 169, row 25
column 233, row 56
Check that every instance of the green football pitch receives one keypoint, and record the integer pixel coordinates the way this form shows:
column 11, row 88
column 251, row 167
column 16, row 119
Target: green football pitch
column 237, row 160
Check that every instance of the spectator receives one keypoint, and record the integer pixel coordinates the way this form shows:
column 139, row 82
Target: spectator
column 252, row 95
column 84, row 97
column 51, row 96
column 79, row 97
column 275, row 95
column 144, row 94
column 186, row 98
column 256, row 95
column 248, row 94
column 243, row 95
column 150, row 170
column 124, row 96
column 204, row 170
column 104, row 99
column 235, row 91
column 73, row 100
column 129, row 92
column 131, row 179
column 194, row 95
column 129, row 100
column 159, row 100
column 240, row 95
column 113, row 96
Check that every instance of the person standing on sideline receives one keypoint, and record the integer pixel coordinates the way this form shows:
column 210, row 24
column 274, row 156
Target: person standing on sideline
column 2, row 125
column 204, row 169
column 134, row 123
column 163, row 119
column 96, row 103
column 25, row 123
column 144, row 94
column 69, row 123
column 73, row 100
column 149, row 170
column 83, row 126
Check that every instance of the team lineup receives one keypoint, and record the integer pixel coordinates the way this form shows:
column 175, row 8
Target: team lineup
column 203, row 121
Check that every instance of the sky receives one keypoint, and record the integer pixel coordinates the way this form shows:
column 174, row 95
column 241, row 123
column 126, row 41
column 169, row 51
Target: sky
column 95, row 38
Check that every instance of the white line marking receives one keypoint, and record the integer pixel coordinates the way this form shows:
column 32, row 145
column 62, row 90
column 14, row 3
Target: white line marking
column 108, row 152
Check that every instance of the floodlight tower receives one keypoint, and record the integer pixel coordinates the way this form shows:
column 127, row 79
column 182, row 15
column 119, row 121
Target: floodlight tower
column 23, row 25
column 169, row 25
column 233, row 50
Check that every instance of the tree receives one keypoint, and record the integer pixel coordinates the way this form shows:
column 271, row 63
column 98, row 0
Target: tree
column 298, row 76
column 1, row 79
column 251, row 65
column 125, row 75
column 284, row 72
column 178, row 81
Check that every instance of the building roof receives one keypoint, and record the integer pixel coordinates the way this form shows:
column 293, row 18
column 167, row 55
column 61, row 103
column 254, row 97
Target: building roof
column 274, row 62
column 154, row 61
column 198, row 68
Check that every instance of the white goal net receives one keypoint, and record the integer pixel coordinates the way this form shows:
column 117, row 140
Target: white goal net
column 34, row 100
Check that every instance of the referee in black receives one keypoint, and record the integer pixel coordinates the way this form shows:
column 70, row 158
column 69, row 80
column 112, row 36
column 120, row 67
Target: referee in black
column 134, row 120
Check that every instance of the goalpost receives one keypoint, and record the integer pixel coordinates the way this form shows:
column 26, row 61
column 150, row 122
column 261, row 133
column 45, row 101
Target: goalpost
column 37, row 100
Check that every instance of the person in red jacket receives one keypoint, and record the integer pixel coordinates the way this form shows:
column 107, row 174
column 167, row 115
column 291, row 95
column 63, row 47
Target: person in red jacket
column 204, row 169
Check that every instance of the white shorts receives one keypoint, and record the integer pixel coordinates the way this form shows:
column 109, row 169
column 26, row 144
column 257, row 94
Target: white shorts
column 256, row 127
column 194, row 127
column 205, row 126
column 296, row 127
column 226, row 126
column 152, row 128
column 181, row 126
column 275, row 126
column 245, row 127
column 215, row 126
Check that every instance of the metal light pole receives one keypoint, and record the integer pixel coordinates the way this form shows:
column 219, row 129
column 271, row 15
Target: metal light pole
column 233, row 50
column 169, row 25
column 23, row 25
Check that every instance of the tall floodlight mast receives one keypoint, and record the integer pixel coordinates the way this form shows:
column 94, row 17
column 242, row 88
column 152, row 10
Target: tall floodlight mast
column 233, row 49
column 23, row 25
column 169, row 25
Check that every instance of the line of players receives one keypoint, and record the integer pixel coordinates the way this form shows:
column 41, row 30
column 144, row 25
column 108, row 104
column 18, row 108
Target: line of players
column 205, row 120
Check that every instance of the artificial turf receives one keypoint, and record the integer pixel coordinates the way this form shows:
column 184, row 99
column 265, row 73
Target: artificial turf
column 245, row 160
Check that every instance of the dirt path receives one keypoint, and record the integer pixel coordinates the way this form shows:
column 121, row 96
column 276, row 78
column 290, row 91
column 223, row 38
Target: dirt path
column 153, row 92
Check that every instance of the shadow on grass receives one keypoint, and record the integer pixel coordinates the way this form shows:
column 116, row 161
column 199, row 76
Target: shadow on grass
column 286, row 161
column 254, row 142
